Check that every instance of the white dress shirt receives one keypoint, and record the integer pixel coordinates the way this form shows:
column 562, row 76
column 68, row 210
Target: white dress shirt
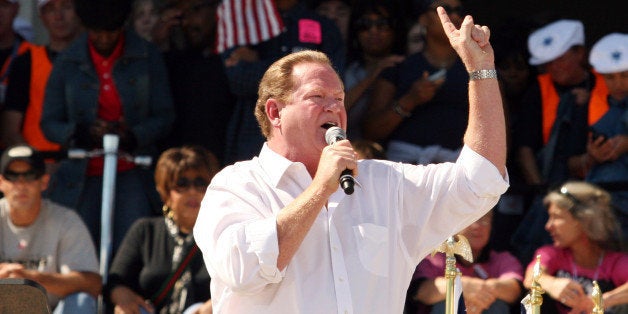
column 360, row 253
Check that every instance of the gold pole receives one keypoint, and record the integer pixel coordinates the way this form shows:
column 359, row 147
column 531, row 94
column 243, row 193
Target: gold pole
column 451, row 247
column 536, row 291
column 596, row 295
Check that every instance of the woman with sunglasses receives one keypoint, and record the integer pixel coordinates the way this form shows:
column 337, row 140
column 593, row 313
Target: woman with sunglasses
column 585, row 249
column 375, row 45
column 158, row 268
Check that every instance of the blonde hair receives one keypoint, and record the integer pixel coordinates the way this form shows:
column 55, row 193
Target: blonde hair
column 278, row 82
column 591, row 206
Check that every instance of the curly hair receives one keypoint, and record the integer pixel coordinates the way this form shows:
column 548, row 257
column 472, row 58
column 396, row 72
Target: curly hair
column 591, row 206
column 175, row 161
column 103, row 15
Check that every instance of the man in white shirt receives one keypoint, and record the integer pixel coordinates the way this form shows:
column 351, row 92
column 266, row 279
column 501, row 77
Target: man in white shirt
column 279, row 236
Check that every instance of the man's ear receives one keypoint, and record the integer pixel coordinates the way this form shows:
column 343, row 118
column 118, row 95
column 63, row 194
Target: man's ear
column 45, row 179
column 2, row 183
column 272, row 111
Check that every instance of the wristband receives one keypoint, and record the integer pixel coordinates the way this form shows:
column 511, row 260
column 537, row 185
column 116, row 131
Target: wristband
column 400, row 111
column 482, row 74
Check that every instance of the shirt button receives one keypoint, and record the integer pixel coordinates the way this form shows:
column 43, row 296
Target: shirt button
column 341, row 279
column 104, row 63
column 105, row 76
column 335, row 248
column 106, row 87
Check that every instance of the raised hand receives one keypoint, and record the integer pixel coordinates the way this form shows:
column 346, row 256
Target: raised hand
column 471, row 42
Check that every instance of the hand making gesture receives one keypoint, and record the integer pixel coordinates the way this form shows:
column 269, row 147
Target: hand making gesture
column 471, row 42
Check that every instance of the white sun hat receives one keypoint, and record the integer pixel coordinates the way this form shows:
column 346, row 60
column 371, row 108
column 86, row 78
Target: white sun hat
column 553, row 40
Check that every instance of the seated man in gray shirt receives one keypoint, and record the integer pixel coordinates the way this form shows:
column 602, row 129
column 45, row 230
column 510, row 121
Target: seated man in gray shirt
column 43, row 241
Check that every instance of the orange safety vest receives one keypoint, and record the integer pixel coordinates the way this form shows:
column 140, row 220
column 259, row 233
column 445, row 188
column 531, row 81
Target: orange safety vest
column 41, row 67
column 550, row 99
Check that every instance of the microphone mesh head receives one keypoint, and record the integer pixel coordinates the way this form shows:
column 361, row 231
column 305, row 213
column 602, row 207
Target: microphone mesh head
column 334, row 134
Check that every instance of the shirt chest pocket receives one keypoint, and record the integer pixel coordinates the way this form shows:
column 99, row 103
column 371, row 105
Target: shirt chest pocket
column 372, row 245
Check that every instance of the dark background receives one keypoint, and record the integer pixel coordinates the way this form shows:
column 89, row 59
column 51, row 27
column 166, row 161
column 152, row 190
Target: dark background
column 600, row 17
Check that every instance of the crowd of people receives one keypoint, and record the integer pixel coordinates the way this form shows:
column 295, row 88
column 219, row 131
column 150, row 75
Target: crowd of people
column 393, row 76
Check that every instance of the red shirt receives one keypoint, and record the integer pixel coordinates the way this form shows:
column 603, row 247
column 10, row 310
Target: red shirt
column 109, row 102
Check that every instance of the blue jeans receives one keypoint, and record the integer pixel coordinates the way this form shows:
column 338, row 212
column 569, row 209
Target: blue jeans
column 131, row 203
column 77, row 303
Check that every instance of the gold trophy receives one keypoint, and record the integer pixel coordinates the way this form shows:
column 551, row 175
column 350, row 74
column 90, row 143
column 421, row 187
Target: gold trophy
column 596, row 295
column 534, row 299
column 451, row 247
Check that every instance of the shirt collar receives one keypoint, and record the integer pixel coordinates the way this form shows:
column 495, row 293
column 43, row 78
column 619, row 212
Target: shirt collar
column 117, row 52
column 275, row 166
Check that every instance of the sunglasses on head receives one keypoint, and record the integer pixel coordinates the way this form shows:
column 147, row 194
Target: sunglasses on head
column 365, row 24
column 451, row 10
column 183, row 184
column 563, row 191
column 28, row 176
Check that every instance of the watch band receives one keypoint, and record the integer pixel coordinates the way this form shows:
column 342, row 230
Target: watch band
column 482, row 75
column 400, row 111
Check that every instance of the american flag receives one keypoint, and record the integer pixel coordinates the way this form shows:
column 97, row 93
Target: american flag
column 247, row 22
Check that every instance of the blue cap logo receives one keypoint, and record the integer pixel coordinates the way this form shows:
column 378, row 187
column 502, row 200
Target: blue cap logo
column 547, row 41
column 616, row 56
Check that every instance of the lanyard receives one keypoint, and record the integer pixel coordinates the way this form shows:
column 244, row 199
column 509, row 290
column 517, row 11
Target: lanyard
column 574, row 269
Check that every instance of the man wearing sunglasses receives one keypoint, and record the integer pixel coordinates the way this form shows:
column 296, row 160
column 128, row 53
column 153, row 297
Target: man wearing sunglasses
column 43, row 241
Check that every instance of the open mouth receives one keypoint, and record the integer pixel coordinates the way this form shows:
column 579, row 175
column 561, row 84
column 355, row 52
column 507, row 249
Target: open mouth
column 328, row 125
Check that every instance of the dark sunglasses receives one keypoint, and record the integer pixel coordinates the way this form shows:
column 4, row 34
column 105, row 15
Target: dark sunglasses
column 184, row 184
column 28, row 176
column 451, row 10
column 365, row 24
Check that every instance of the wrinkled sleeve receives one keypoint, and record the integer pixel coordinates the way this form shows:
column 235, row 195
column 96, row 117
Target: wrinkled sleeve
column 439, row 200
column 237, row 232
column 156, row 122
column 549, row 260
column 55, row 122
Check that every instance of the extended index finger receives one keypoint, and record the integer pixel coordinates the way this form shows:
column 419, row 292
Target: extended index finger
column 448, row 26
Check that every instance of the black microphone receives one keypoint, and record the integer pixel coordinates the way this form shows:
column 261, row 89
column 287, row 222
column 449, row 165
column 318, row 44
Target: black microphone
column 333, row 135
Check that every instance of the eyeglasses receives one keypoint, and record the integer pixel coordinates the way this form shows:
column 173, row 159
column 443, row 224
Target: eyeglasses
column 365, row 24
column 451, row 10
column 28, row 176
column 183, row 184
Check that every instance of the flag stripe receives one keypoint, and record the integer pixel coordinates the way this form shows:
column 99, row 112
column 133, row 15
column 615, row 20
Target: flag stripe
column 246, row 22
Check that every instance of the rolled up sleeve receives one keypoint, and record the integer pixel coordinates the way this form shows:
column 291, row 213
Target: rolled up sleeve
column 237, row 233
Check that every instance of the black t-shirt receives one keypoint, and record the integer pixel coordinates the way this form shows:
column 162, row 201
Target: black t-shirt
column 18, row 89
column 202, row 100
column 144, row 262
column 441, row 121
column 4, row 54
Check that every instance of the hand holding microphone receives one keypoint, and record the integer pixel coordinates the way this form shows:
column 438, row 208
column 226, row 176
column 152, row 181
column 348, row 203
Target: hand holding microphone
column 333, row 135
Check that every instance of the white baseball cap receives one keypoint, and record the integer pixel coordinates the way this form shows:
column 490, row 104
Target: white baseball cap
column 553, row 40
column 41, row 3
column 610, row 54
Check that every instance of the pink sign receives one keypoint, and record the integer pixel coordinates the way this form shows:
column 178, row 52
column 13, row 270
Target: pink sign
column 310, row 31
